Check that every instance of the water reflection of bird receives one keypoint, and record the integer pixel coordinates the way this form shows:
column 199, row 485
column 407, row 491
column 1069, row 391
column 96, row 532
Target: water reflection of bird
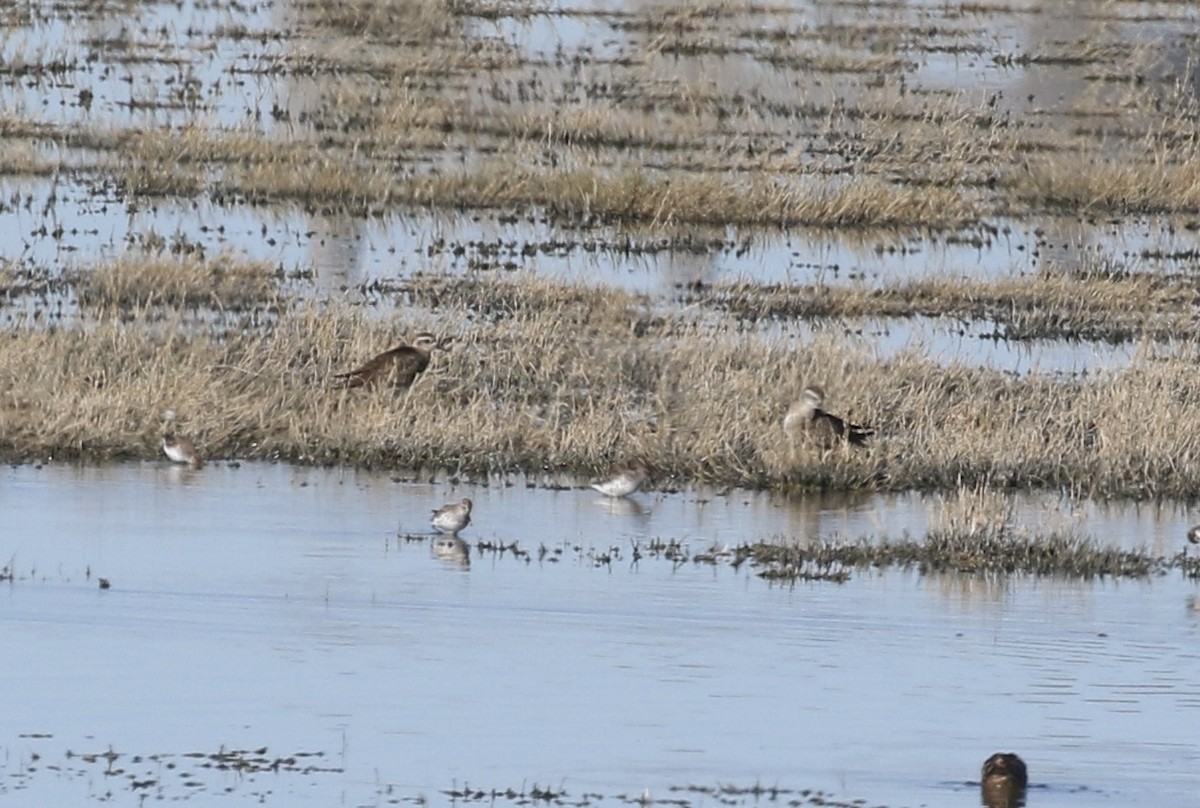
column 452, row 518
column 624, row 506
column 398, row 366
column 623, row 480
column 806, row 419
column 452, row 548
column 180, row 449
column 1003, row 781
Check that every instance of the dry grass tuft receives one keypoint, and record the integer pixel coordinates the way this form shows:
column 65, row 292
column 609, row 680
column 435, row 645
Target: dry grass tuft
column 136, row 282
column 1090, row 304
column 974, row 531
column 1167, row 182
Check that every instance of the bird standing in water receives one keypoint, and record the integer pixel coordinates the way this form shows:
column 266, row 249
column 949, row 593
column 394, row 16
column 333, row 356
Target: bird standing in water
column 623, row 480
column 180, row 449
column 451, row 519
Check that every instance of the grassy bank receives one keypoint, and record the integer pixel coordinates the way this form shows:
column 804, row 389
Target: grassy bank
column 571, row 378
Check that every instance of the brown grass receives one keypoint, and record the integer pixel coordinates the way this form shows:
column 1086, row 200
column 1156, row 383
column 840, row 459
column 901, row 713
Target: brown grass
column 572, row 379
column 411, row 21
column 405, row 105
column 136, row 282
column 1162, row 182
column 412, row 112
column 635, row 196
column 1099, row 303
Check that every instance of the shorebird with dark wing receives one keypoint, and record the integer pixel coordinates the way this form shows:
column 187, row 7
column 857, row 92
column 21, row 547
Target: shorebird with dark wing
column 398, row 366
column 623, row 480
column 806, row 419
column 180, row 449
column 451, row 519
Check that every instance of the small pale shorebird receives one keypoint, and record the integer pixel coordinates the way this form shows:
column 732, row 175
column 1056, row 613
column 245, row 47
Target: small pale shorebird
column 623, row 480
column 807, row 420
column 451, row 519
column 1003, row 781
column 181, row 450
column 398, row 366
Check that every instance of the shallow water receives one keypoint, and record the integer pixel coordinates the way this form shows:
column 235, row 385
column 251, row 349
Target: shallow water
column 265, row 605
column 346, row 254
column 72, row 223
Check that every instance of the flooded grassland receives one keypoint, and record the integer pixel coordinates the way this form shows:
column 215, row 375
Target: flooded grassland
column 635, row 231
column 601, row 136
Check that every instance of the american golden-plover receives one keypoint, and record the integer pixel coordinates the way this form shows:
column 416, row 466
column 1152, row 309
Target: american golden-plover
column 399, row 366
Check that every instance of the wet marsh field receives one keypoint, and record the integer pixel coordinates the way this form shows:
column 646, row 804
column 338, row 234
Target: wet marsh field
column 640, row 229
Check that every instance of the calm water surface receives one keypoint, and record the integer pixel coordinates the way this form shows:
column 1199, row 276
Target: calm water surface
column 269, row 606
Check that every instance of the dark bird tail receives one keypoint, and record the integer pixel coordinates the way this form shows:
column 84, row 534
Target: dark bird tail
column 858, row 434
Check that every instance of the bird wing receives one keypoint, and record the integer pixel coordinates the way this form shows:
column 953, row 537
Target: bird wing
column 401, row 364
column 368, row 371
column 406, row 363
column 844, row 430
column 825, row 429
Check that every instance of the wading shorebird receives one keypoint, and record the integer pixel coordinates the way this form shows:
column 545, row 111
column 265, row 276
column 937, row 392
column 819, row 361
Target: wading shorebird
column 398, row 366
column 807, row 420
column 1003, row 781
column 452, row 518
column 623, row 480
column 181, row 450
column 1193, row 536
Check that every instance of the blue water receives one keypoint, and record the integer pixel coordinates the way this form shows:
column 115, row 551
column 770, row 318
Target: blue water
column 271, row 606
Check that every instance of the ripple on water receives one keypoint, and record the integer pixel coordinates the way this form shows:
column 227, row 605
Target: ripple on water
column 270, row 605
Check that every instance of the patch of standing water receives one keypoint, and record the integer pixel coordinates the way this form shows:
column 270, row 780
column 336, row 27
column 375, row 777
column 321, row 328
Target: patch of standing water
column 67, row 225
column 269, row 606
column 159, row 64
column 974, row 343
column 45, row 222
column 557, row 37
column 1041, row 31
